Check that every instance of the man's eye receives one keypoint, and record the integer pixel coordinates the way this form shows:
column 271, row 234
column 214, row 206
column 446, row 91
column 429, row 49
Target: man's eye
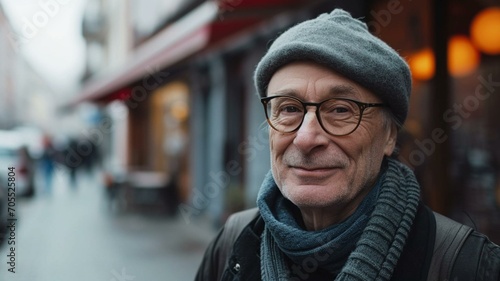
column 340, row 109
column 290, row 109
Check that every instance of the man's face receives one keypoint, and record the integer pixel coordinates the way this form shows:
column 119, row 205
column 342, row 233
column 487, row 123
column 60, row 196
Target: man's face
column 313, row 169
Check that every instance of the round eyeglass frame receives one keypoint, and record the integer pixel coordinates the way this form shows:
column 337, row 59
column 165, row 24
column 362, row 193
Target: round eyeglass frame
column 362, row 106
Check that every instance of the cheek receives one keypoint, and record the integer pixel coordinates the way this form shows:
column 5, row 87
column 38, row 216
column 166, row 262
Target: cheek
column 373, row 154
column 272, row 145
column 366, row 151
column 274, row 152
column 278, row 144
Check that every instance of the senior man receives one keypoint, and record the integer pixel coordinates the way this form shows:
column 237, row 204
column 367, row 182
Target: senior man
column 335, row 205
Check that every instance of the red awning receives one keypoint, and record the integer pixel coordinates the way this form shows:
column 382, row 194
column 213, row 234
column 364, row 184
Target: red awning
column 207, row 24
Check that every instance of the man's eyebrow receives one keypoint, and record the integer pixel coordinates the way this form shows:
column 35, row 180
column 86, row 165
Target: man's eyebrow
column 284, row 92
column 343, row 91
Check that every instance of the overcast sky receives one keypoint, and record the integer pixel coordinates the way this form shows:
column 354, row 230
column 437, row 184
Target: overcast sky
column 49, row 36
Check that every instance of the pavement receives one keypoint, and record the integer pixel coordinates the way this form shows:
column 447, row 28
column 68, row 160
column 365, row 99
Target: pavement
column 71, row 234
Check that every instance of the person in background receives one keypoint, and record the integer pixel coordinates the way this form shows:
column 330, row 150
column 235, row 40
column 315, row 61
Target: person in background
column 47, row 162
column 336, row 205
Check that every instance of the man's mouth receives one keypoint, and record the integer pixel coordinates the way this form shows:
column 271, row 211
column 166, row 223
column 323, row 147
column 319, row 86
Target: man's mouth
column 312, row 168
column 316, row 171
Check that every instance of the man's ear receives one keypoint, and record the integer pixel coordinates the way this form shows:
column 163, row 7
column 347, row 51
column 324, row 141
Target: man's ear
column 392, row 136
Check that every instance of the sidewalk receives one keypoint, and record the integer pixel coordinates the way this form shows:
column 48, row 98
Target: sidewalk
column 71, row 235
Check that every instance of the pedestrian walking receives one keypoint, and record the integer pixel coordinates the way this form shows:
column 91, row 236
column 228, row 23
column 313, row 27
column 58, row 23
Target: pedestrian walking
column 47, row 162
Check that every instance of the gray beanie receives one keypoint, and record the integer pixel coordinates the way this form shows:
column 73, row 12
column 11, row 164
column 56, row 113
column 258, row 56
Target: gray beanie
column 345, row 45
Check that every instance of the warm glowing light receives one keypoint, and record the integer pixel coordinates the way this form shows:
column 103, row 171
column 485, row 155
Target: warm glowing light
column 463, row 58
column 422, row 64
column 485, row 31
column 179, row 110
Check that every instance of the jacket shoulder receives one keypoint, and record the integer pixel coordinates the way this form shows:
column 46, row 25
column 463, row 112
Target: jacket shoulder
column 219, row 250
column 449, row 240
column 236, row 222
column 478, row 259
column 461, row 253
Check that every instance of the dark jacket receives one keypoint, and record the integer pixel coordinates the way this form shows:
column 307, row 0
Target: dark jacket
column 478, row 258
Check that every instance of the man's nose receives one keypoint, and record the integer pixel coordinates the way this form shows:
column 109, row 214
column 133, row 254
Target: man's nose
column 310, row 134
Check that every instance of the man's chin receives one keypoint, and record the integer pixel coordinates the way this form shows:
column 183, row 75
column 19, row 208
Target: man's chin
column 311, row 196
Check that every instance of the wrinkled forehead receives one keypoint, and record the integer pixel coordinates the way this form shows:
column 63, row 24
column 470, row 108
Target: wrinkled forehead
column 312, row 81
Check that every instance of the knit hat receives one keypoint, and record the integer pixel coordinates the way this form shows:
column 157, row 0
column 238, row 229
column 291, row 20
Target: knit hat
column 343, row 44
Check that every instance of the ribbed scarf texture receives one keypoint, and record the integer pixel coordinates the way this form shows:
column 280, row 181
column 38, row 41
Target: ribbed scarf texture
column 365, row 246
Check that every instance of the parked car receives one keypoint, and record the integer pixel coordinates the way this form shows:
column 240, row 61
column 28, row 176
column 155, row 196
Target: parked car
column 14, row 153
column 3, row 215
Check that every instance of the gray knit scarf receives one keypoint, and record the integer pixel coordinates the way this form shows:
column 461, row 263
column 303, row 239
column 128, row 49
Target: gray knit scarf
column 365, row 246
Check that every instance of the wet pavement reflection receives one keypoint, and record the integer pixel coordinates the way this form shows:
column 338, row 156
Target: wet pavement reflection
column 71, row 234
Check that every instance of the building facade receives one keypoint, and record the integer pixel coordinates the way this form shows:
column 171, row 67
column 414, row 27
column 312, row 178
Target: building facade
column 192, row 110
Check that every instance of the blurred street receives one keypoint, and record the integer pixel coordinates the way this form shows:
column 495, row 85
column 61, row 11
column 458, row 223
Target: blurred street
column 70, row 234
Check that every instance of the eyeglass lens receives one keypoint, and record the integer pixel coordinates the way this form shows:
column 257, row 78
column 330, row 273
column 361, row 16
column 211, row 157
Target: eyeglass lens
column 337, row 116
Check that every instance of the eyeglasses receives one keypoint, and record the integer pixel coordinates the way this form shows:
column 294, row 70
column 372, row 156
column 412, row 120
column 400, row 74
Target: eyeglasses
column 337, row 116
